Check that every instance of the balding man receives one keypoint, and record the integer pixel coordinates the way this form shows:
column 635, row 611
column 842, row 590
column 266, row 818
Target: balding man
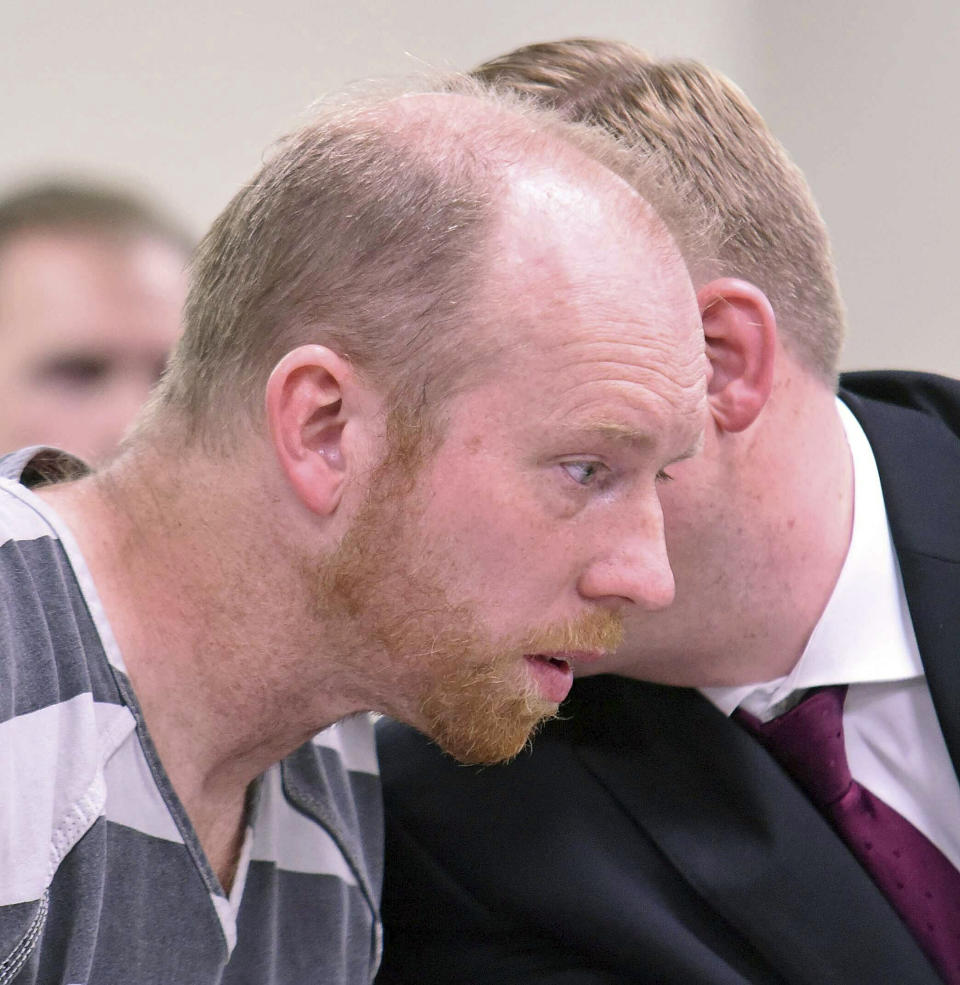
column 814, row 836
column 406, row 457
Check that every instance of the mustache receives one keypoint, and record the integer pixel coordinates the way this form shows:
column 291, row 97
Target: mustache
column 598, row 630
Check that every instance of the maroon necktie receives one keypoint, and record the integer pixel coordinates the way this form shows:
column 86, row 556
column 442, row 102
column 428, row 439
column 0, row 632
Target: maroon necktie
column 913, row 873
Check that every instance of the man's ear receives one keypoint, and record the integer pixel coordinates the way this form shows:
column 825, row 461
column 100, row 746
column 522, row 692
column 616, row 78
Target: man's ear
column 306, row 416
column 740, row 329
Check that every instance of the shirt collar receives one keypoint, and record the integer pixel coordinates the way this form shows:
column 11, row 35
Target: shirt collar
column 864, row 634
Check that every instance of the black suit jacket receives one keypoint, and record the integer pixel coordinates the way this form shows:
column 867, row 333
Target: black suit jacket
column 648, row 839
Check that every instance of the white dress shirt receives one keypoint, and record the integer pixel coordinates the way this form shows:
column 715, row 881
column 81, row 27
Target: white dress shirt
column 865, row 639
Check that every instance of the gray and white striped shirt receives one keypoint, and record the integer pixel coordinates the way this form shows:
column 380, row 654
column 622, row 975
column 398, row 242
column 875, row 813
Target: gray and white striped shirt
column 102, row 879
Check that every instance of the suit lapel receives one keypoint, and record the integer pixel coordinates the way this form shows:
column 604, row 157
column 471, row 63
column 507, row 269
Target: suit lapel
column 918, row 458
column 738, row 830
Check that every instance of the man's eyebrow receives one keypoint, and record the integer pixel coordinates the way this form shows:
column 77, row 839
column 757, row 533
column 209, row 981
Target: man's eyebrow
column 629, row 435
column 620, row 432
column 615, row 431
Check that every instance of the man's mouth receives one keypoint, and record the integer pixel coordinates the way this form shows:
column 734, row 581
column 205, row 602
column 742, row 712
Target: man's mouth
column 554, row 672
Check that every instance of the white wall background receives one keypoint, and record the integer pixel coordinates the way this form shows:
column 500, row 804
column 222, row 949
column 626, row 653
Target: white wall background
column 181, row 99
column 864, row 94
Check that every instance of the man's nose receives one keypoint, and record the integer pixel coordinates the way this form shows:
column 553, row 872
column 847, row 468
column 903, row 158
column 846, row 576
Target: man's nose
column 634, row 569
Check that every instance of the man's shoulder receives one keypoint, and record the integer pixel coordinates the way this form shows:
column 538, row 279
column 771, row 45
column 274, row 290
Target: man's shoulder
column 469, row 854
column 61, row 714
column 935, row 396
column 470, row 820
column 912, row 421
column 50, row 648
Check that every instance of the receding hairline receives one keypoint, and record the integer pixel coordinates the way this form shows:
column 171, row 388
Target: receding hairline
column 528, row 119
column 569, row 155
column 580, row 159
column 465, row 147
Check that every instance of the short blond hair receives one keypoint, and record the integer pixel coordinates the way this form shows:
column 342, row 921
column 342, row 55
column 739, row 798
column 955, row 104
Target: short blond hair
column 370, row 235
column 767, row 228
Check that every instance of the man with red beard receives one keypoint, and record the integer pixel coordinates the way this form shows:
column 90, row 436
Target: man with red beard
column 762, row 786
column 406, row 458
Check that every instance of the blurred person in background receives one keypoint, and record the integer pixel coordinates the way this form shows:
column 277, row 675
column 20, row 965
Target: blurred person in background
column 92, row 281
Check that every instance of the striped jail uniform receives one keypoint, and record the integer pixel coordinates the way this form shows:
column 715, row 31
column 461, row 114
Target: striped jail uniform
column 102, row 879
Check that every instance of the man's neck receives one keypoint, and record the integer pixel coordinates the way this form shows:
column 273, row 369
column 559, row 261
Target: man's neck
column 210, row 630
column 798, row 502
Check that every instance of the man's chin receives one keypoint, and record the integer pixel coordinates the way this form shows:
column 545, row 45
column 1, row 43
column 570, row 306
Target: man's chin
column 493, row 737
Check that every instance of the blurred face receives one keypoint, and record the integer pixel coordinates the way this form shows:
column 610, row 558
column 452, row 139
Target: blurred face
column 484, row 574
column 86, row 324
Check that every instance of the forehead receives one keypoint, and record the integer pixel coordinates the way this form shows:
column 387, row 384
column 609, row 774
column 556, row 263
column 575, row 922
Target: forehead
column 86, row 288
column 580, row 237
column 592, row 308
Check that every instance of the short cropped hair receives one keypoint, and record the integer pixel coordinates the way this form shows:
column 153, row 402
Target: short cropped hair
column 73, row 205
column 368, row 234
column 767, row 227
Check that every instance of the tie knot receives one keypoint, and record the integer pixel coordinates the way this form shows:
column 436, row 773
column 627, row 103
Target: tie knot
column 807, row 741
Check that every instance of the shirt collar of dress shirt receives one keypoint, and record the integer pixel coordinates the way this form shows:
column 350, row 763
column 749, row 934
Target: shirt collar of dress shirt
column 864, row 634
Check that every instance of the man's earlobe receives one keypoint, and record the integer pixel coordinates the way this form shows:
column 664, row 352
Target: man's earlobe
column 740, row 330
column 305, row 414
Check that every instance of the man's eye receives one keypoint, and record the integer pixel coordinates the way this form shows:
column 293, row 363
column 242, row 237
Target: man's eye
column 664, row 476
column 75, row 371
column 583, row 473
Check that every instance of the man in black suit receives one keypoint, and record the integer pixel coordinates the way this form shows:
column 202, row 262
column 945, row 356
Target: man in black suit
column 648, row 836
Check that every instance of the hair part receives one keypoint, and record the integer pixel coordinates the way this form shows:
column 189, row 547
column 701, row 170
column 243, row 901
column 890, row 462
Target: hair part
column 368, row 230
column 764, row 224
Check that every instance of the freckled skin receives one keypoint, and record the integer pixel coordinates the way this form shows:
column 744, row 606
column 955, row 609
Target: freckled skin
column 86, row 325
column 601, row 337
